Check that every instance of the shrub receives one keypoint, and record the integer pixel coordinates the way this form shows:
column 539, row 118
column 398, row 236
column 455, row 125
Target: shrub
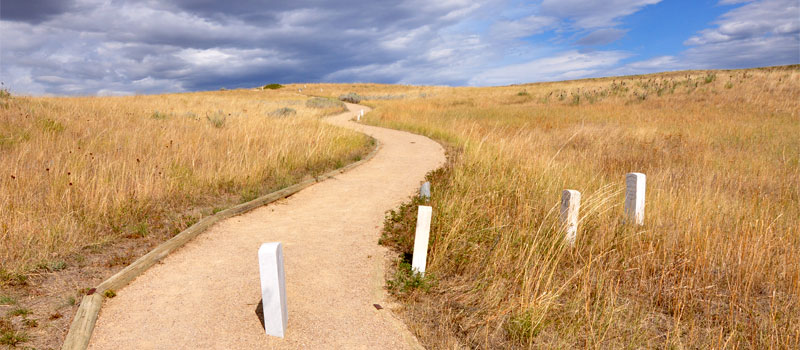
column 282, row 112
column 271, row 86
column 217, row 119
column 158, row 115
column 322, row 102
column 351, row 97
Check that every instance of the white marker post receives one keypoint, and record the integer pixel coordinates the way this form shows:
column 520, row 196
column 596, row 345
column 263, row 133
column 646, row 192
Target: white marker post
column 362, row 112
column 273, row 288
column 570, row 206
column 634, row 197
column 425, row 191
column 421, row 239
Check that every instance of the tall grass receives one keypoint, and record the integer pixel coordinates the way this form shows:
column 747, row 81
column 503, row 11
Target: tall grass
column 716, row 265
column 82, row 171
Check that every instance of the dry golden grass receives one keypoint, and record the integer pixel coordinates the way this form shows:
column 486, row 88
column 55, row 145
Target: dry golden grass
column 716, row 265
column 88, row 170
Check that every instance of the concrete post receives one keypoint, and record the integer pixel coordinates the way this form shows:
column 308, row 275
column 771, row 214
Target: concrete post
column 421, row 239
column 634, row 197
column 570, row 207
column 425, row 191
column 273, row 288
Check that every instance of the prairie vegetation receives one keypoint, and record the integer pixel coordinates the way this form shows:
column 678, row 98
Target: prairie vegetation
column 716, row 265
column 84, row 171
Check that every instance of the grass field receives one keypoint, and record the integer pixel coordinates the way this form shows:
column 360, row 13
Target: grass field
column 716, row 265
column 86, row 170
column 80, row 174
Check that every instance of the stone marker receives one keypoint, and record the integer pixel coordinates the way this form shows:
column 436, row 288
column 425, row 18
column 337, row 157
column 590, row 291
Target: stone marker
column 425, row 190
column 570, row 206
column 634, row 197
column 273, row 288
column 421, row 239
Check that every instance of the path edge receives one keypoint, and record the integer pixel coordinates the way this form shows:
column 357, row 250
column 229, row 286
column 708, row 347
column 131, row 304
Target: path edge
column 80, row 331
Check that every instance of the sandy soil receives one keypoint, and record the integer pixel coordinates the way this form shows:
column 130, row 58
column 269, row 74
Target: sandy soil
column 205, row 295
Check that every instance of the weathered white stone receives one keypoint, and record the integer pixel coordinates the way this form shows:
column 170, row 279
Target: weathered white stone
column 634, row 197
column 273, row 288
column 362, row 112
column 425, row 190
column 570, row 207
column 421, row 239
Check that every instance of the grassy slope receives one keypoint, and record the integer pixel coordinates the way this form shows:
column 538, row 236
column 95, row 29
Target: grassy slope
column 716, row 265
column 88, row 183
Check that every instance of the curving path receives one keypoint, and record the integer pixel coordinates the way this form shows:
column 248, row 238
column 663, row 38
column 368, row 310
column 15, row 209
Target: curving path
column 204, row 296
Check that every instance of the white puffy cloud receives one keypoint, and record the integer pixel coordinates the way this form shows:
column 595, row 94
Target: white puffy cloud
column 759, row 33
column 564, row 65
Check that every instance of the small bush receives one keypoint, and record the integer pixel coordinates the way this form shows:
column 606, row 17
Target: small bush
column 51, row 125
column 158, row 115
column 271, row 86
column 282, row 112
column 4, row 300
column 351, row 97
column 4, row 93
column 217, row 119
column 109, row 293
column 523, row 93
column 406, row 280
column 322, row 102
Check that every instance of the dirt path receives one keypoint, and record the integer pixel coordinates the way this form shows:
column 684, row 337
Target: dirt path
column 204, row 296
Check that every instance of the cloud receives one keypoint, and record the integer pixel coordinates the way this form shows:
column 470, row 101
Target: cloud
column 593, row 14
column 564, row 65
column 602, row 37
column 526, row 26
column 156, row 46
column 759, row 33
column 151, row 46
column 34, row 11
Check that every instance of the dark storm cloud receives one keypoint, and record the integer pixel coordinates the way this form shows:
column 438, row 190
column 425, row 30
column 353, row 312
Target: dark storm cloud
column 33, row 11
column 150, row 46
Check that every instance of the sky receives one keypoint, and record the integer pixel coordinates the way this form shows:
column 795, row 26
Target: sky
column 110, row 47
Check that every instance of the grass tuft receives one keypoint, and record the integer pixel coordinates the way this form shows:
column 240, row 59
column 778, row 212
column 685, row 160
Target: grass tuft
column 272, row 86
